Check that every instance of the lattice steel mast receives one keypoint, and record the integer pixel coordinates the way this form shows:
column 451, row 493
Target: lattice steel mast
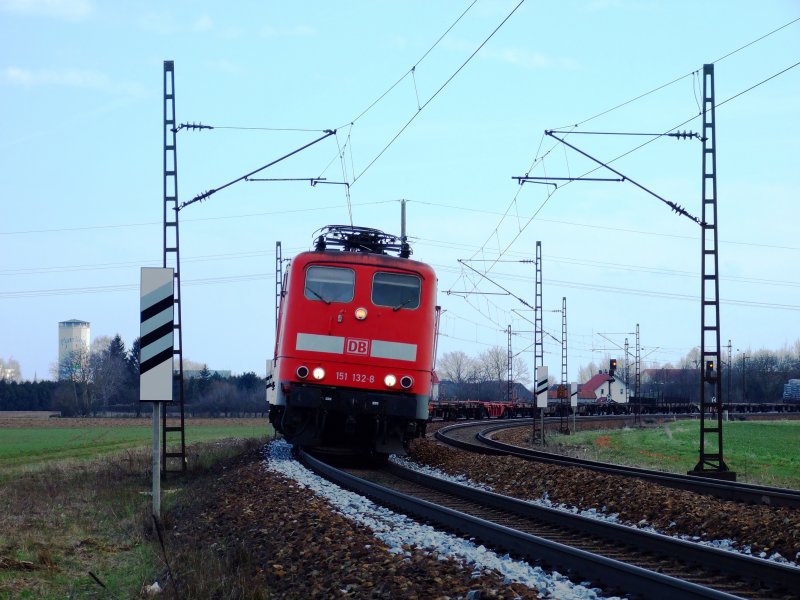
column 563, row 390
column 510, row 383
column 538, row 354
column 278, row 282
column 172, row 260
column 538, row 339
column 638, row 364
column 711, row 462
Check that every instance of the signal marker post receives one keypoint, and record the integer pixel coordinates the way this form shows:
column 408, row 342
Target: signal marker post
column 573, row 402
column 157, row 332
column 541, row 398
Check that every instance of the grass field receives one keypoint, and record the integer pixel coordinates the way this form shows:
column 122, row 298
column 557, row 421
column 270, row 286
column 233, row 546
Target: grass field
column 28, row 443
column 74, row 501
column 765, row 452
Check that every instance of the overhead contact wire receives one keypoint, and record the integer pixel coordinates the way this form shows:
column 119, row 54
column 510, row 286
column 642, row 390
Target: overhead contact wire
column 729, row 54
column 411, row 70
column 437, row 92
column 641, row 146
column 344, row 176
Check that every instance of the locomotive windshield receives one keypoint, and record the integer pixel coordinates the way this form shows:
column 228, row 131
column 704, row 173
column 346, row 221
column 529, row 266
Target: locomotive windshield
column 396, row 290
column 330, row 284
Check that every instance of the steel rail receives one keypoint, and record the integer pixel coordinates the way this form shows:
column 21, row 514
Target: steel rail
column 727, row 490
column 715, row 558
column 610, row 573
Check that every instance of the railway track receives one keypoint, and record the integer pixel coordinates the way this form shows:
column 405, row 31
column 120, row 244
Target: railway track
column 619, row 559
column 477, row 437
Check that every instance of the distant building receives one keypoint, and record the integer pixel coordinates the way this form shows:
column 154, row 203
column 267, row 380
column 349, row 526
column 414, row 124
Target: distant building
column 73, row 340
column 9, row 371
column 791, row 390
column 603, row 388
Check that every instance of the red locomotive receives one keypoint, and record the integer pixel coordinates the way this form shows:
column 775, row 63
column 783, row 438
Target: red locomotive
column 355, row 345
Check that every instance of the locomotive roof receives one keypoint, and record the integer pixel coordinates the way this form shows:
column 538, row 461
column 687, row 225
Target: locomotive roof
column 362, row 258
column 351, row 238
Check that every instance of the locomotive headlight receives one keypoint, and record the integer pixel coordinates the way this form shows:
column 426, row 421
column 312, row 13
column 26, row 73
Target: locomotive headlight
column 318, row 373
column 361, row 313
column 390, row 380
column 406, row 382
column 302, row 372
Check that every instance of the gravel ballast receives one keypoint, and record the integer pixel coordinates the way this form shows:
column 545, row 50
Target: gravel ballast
column 264, row 527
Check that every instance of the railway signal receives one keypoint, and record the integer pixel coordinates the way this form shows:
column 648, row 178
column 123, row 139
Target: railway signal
column 612, row 366
column 711, row 376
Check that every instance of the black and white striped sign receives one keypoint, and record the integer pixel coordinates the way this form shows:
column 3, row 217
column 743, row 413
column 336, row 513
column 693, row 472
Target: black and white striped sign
column 541, row 387
column 573, row 394
column 157, row 331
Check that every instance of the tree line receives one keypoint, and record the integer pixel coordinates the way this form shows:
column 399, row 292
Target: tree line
column 104, row 380
column 750, row 376
column 463, row 377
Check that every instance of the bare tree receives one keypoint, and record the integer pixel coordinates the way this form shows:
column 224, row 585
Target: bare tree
column 692, row 360
column 74, row 370
column 100, row 344
column 520, row 372
column 458, row 368
column 495, row 363
column 494, row 366
column 587, row 372
column 109, row 372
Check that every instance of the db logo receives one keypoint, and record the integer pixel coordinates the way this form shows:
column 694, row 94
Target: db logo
column 356, row 346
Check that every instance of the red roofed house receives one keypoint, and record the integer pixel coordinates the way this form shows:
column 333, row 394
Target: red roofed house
column 595, row 390
column 603, row 388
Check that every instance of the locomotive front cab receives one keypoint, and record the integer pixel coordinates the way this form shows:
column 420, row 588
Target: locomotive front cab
column 355, row 351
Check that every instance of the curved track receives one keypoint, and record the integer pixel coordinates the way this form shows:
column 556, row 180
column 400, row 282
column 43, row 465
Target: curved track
column 618, row 558
column 477, row 437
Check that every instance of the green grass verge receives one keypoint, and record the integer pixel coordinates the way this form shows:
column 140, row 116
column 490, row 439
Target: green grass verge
column 65, row 520
column 766, row 452
column 25, row 449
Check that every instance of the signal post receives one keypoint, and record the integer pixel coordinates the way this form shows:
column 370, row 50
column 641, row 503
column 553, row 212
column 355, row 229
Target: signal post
column 157, row 332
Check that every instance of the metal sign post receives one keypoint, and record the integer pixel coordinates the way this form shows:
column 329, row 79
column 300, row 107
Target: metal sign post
column 541, row 394
column 573, row 402
column 157, row 328
column 156, row 466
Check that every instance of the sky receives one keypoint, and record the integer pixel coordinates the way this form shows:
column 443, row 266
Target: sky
column 438, row 103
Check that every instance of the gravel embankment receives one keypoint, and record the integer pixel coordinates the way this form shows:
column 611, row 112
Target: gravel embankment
column 274, row 537
column 765, row 530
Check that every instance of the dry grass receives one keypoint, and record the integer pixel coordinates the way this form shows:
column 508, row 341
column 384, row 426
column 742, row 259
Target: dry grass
column 66, row 520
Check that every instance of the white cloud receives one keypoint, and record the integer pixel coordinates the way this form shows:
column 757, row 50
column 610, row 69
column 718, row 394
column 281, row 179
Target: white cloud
column 518, row 57
column 399, row 42
column 165, row 22
column 203, row 24
column 295, row 31
column 226, row 66
column 69, row 10
column 602, row 5
column 74, row 78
